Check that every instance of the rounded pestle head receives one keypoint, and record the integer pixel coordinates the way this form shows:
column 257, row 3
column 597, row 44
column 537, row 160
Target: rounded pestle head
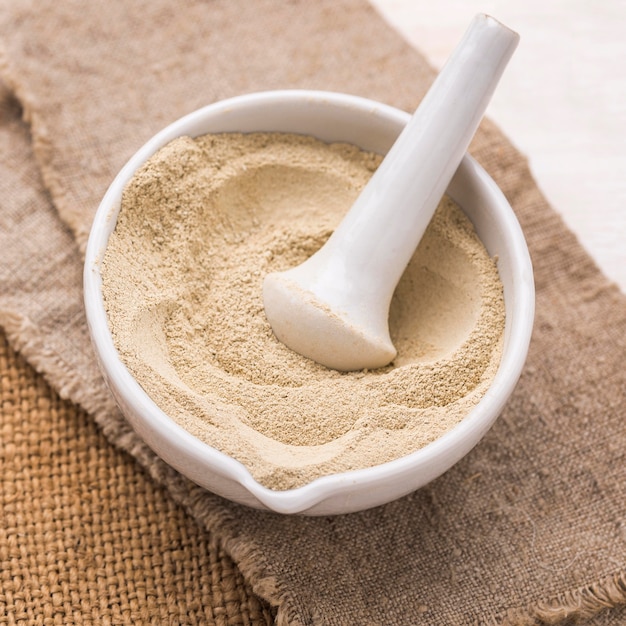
column 330, row 336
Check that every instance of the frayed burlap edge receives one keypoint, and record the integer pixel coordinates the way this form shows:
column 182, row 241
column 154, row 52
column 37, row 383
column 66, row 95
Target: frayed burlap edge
column 265, row 585
column 572, row 606
column 23, row 337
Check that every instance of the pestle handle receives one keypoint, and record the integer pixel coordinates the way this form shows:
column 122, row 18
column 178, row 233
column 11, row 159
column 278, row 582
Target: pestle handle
column 376, row 239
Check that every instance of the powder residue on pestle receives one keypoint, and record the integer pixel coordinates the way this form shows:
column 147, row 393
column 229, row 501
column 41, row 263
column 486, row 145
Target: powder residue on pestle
column 201, row 224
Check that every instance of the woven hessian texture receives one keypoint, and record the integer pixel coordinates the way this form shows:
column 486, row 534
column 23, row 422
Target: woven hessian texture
column 528, row 529
column 87, row 538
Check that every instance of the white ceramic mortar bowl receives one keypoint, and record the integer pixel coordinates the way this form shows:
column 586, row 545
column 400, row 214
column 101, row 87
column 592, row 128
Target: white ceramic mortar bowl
column 372, row 126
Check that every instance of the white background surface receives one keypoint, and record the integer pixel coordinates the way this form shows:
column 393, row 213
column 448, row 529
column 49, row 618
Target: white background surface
column 561, row 101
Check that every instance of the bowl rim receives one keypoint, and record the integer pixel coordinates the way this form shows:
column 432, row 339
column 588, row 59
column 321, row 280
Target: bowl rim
column 308, row 496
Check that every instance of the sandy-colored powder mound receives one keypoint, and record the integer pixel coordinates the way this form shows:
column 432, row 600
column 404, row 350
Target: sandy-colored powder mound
column 202, row 223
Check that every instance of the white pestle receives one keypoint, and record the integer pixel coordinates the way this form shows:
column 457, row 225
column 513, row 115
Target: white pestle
column 334, row 307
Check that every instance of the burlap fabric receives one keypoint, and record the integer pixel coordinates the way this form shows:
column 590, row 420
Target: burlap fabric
column 87, row 538
column 530, row 528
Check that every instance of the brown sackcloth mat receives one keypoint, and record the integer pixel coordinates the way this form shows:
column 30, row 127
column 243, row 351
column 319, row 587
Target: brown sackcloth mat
column 529, row 528
column 86, row 536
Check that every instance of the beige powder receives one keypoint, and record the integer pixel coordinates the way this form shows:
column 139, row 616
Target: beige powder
column 202, row 223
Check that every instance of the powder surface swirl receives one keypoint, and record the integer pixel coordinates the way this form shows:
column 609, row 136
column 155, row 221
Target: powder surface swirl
column 201, row 224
